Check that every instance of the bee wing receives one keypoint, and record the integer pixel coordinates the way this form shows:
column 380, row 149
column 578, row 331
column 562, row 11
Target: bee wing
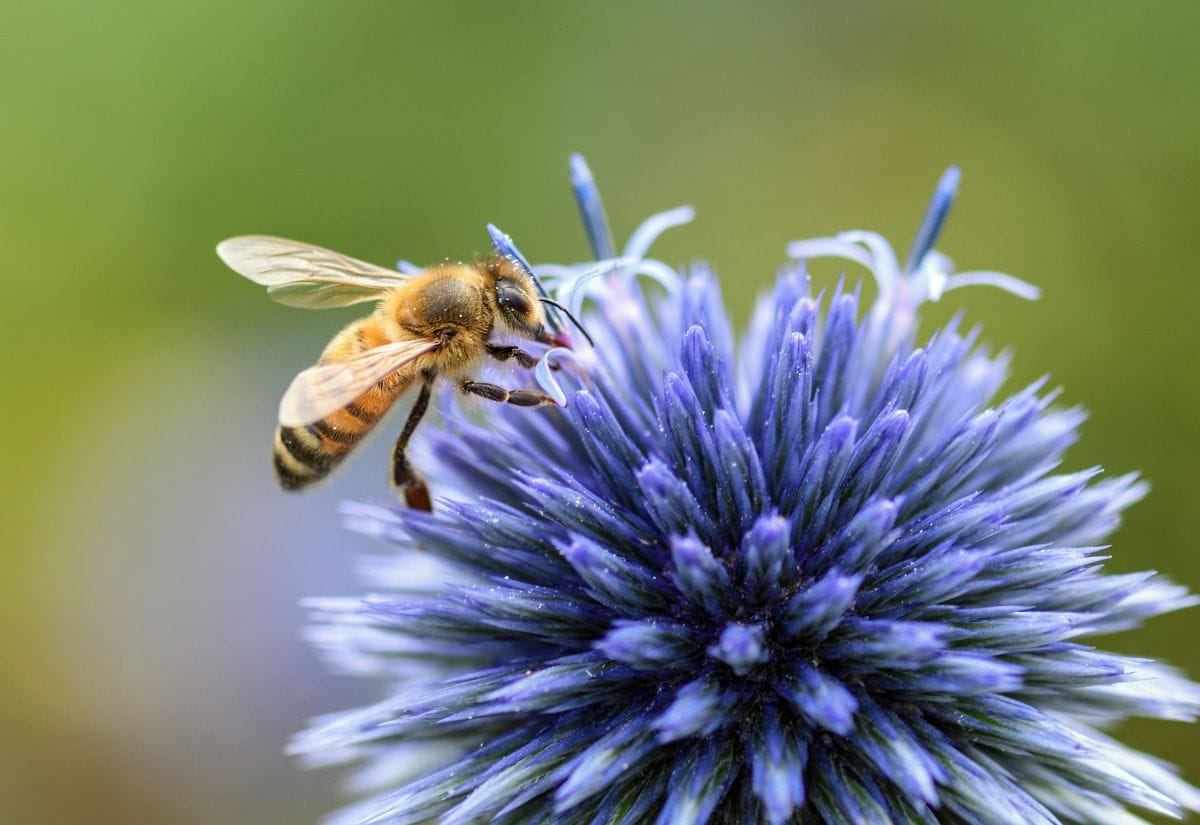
column 302, row 275
column 320, row 391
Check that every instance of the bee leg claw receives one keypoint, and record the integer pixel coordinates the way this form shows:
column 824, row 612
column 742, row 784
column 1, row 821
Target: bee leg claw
column 519, row 398
column 504, row 353
column 529, row 398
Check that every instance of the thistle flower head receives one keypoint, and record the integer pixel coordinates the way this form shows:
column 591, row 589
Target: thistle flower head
column 818, row 575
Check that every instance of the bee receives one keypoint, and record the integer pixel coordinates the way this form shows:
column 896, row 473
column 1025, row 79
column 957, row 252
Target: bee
column 432, row 325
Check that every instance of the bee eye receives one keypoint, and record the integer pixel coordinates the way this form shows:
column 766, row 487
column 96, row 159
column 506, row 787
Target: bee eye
column 512, row 299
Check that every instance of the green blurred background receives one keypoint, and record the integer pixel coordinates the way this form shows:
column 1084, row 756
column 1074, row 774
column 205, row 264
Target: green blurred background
column 149, row 627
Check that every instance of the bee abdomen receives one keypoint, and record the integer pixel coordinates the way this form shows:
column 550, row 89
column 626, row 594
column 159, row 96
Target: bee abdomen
column 289, row 472
column 307, row 454
column 304, row 455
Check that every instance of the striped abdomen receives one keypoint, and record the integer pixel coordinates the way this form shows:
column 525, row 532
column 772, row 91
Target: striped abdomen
column 307, row 454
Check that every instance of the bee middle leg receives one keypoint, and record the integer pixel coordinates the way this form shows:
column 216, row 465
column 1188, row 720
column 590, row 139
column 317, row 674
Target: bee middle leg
column 404, row 476
column 519, row 398
column 501, row 353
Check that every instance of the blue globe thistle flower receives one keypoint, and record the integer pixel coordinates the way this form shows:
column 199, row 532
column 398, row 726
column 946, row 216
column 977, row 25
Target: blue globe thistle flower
column 821, row 575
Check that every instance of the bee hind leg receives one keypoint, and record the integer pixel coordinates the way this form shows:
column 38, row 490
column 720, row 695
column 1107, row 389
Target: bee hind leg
column 519, row 398
column 409, row 482
column 404, row 476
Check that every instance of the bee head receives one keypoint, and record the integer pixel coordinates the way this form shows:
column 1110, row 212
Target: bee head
column 519, row 309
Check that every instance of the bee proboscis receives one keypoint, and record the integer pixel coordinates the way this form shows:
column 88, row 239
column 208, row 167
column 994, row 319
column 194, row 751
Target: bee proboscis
column 434, row 324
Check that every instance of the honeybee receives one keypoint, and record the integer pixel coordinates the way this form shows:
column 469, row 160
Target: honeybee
column 435, row 324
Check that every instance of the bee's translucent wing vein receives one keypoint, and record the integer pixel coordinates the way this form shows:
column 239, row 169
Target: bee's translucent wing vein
column 322, row 390
column 302, row 275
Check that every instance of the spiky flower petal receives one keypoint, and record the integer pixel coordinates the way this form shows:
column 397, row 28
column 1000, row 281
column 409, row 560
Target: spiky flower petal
column 823, row 576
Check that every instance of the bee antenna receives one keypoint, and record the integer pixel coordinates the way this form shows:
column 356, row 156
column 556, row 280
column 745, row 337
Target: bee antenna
column 574, row 320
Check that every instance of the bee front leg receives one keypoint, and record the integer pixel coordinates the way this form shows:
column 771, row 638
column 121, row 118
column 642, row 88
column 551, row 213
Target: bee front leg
column 404, row 476
column 519, row 398
column 504, row 353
